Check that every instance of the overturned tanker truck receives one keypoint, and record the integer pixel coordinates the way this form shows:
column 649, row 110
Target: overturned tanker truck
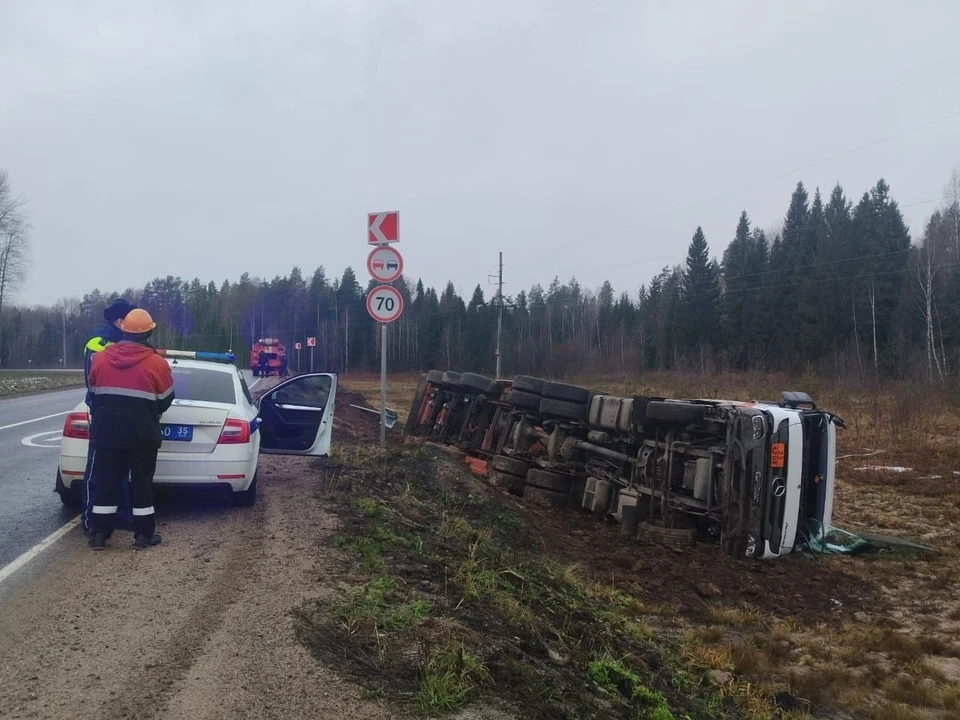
column 756, row 476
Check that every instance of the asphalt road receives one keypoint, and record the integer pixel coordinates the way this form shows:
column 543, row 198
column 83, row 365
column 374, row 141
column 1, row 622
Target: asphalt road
column 30, row 509
column 30, row 435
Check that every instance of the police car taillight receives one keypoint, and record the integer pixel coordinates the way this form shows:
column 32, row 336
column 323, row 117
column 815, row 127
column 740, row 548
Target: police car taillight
column 235, row 432
column 77, row 426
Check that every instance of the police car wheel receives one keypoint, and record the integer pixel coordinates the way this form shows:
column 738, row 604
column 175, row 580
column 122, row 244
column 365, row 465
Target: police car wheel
column 246, row 498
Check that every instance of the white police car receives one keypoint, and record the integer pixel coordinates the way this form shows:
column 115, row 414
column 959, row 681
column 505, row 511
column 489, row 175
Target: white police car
column 214, row 432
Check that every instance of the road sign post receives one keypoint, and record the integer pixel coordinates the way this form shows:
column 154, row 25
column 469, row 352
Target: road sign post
column 383, row 385
column 298, row 347
column 311, row 343
column 384, row 303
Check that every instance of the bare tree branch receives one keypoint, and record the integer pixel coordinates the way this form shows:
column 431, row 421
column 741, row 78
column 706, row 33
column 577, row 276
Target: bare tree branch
column 14, row 244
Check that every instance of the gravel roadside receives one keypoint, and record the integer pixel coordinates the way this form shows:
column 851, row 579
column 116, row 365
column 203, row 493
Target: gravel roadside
column 198, row 627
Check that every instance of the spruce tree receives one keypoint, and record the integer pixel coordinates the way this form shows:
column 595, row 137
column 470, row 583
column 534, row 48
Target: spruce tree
column 701, row 296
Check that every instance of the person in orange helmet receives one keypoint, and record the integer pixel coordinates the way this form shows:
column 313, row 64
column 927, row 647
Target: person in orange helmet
column 132, row 387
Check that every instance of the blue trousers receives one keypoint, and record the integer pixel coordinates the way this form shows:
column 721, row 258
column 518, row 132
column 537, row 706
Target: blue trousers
column 124, row 514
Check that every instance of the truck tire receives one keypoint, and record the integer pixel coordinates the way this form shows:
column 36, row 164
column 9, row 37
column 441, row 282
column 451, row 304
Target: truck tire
column 674, row 412
column 563, row 410
column 671, row 537
column 480, row 384
column 523, row 400
column 528, row 384
column 547, row 480
column 511, row 483
column 435, row 377
column 510, row 466
column 451, row 379
column 555, row 498
column 639, row 414
column 569, row 393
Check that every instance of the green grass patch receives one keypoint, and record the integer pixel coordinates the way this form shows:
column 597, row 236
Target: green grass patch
column 447, row 678
column 381, row 604
column 613, row 677
column 370, row 508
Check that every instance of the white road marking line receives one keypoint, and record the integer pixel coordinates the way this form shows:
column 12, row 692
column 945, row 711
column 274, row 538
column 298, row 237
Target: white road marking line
column 257, row 382
column 27, row 422
column 52, row 436
column 30, row 554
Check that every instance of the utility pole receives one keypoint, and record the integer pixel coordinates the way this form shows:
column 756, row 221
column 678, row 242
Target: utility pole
column 346, row 343
column 499, row 314
column 64, row 316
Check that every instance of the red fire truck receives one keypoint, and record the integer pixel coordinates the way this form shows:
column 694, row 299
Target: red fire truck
column 268, row 356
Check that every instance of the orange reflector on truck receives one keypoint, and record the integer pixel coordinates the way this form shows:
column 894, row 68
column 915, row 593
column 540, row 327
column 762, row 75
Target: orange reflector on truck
column 778, row 452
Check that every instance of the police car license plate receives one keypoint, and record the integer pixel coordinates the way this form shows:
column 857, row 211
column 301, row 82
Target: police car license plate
column 183, row 433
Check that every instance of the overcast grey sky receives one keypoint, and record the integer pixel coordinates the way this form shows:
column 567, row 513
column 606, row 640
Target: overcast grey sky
column 212, row 138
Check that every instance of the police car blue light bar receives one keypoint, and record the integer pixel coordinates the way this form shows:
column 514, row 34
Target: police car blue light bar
column 199, row 355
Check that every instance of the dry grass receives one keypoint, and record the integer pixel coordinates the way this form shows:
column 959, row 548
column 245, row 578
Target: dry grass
column 878, row 665
column 15, row 383
column 400, row 391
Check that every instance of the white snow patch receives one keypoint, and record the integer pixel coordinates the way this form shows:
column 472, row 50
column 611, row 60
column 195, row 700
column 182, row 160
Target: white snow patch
column 888, row 469
column 869, row 453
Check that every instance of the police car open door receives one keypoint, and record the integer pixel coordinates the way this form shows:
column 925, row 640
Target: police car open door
column 296, row 417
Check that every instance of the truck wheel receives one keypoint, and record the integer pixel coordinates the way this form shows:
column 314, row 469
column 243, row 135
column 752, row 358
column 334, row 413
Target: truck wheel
column 675, row 412
column 528, row 384
column 638, row 416
column 547, row 480
column 247, row 498
column 451, row 379
column 553, row 497
column 511, row 483
column 563, row 410
column 480, row 384
column 671, row 537
column 569, row 393
column 509, row 465
column 523, row 400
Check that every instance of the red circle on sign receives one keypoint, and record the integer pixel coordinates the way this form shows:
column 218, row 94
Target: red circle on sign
column 384, row 303
column 384, row 264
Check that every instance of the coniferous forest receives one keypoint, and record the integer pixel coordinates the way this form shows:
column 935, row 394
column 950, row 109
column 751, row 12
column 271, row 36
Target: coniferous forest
column 840, row 289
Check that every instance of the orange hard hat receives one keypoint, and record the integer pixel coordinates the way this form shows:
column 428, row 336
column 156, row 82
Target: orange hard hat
column 137, row 322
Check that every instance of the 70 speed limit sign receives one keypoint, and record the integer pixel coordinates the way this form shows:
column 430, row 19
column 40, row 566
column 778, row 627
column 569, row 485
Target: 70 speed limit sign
column 384, row 303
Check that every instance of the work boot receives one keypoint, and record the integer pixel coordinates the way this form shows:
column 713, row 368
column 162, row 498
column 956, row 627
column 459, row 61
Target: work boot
column 145, row 541
column 98, row 540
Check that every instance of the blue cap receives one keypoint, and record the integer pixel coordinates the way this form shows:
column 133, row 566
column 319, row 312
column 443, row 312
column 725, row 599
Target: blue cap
column 118, row 310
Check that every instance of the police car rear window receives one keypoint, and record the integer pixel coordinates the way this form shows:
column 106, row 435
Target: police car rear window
column 203, row 385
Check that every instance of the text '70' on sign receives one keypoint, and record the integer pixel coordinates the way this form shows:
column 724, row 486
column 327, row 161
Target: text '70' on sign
column 384, row 303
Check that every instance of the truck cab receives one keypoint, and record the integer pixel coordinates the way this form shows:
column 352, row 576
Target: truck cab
column 792, row 478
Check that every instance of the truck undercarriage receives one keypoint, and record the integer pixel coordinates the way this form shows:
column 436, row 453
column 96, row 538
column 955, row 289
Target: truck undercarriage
column 753, row 475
